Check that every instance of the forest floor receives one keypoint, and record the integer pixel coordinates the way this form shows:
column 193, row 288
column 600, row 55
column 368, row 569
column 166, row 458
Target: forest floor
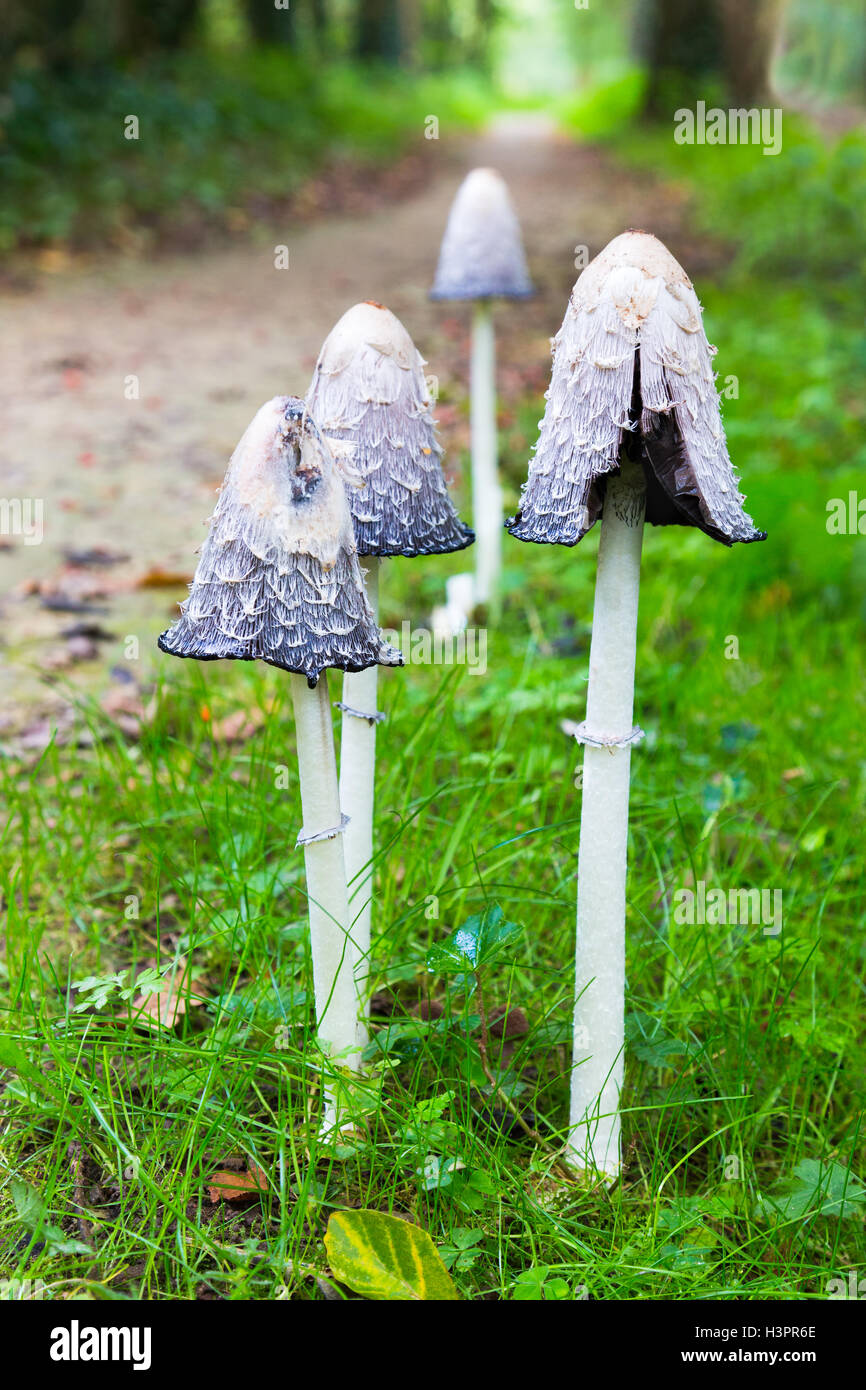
column 127, row 383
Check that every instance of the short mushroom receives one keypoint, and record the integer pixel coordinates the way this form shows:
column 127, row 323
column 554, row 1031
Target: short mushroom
column 369, row 392
column 632, row 430
column 278, row 581
column 482, row 259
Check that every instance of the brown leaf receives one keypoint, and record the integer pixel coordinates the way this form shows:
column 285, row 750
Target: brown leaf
column 169, row 1003
column 237, row 727
column 225, row 1186
column 156, row 578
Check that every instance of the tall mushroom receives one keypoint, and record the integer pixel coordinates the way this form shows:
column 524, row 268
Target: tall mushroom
column 632, row 430
column 369, row 392
column 482, row 259
column 278, row 581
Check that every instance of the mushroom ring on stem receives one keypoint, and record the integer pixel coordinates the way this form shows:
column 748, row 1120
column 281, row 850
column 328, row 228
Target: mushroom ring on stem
column 632, row 430
column 278, row 581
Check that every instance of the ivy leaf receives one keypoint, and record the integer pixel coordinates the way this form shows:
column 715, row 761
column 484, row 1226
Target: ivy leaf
column 475, row 944
column 382, row 1257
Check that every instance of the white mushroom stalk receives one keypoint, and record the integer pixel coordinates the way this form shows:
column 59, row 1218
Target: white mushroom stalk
column 357, row 798
column 632, row 431
column 370, row 396
column 481, row 259
column 279, row 581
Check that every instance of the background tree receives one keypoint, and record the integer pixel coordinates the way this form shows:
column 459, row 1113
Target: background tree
column 705, row 48
column 378, row 33
column 269, row 24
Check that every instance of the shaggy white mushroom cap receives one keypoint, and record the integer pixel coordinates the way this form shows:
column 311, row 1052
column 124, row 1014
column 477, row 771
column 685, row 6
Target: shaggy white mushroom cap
column 278, row 579
column 632, row 369
column 370, row 396
column 482, row 250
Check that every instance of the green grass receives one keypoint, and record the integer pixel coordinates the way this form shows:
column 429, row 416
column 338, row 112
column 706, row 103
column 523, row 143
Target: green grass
column 743, row 1104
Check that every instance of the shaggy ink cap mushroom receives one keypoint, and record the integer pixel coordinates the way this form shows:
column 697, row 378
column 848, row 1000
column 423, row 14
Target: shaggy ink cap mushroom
column 278, row 579
column 369, row 392
column 481, row 256
column 632, row 367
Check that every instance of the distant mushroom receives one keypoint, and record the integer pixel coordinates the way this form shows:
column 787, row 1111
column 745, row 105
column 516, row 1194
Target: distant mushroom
column 482, row 259
column 632, row 430
column 278, row 581
column 369, row 393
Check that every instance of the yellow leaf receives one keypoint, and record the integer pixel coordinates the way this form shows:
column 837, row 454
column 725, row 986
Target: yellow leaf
column 383, row 1257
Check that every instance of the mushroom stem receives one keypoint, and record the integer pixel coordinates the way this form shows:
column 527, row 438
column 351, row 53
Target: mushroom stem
column 357, row 786
column 336, row 1005
column 487, row 514
column 599, row 1040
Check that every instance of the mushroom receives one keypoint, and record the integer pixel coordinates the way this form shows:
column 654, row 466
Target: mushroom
column 632, row 430
column 369, row 392
column 278, row 581
column 481, row 259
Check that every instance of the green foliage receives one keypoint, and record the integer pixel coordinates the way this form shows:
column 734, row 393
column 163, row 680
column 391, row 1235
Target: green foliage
column 118, row 986
column 222, row 139
column 818, row 1189
column 30, row 1210
column 606, row 106
column 474, row 945
column 382, row 1257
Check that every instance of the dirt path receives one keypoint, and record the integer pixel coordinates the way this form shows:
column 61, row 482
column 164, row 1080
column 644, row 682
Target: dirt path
column 206, row 338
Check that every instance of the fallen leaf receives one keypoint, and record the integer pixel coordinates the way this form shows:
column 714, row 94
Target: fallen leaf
column 225, row 1186
column 382, row 1257
column 791, row 773
column 165, row 1006
column 157, row 578
column 238, row 727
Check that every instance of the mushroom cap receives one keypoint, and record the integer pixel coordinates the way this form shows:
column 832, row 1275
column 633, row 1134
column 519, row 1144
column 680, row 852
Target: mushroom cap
column 278, row 579
column 369, row 393
column 482, row 250
column 632, row 368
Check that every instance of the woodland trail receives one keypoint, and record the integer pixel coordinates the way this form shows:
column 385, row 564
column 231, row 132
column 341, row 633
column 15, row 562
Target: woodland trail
column 210, row 335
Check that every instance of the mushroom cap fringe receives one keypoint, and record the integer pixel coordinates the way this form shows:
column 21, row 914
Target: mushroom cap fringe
column 278, row 579
column 632, row 365
column 369, row 393
column 482, row 250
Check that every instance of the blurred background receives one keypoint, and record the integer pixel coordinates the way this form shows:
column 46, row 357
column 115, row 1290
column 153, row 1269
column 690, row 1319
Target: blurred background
column 244, row 99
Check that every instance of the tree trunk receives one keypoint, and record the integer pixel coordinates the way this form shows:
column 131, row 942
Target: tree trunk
column 319, row 14
column 683, row 49
column 378, row 31
column 155, row 24
column 749, row 29
column 693, row 45
column 269, row 24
